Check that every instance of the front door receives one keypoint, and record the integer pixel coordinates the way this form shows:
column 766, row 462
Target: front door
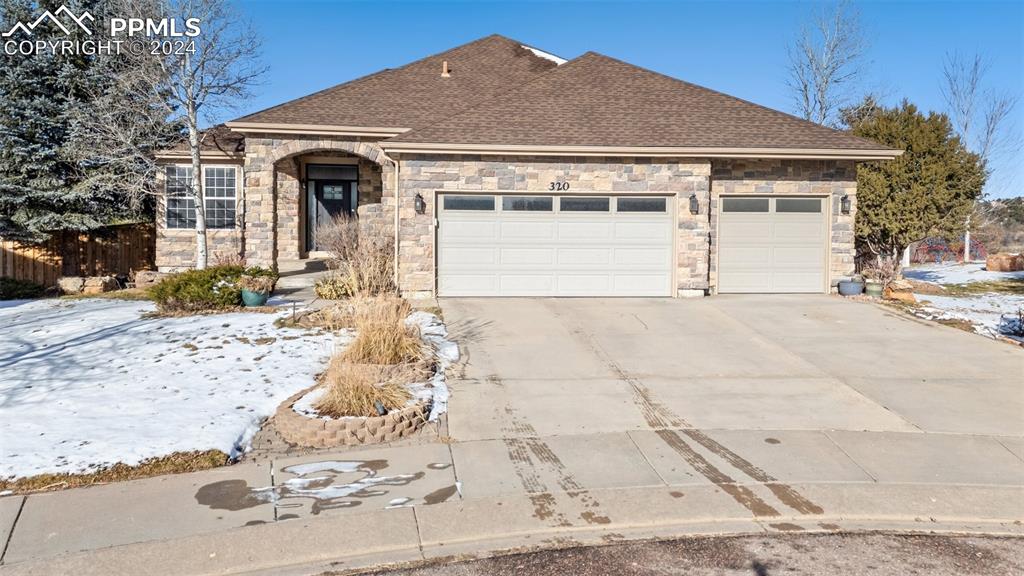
column 333, row 198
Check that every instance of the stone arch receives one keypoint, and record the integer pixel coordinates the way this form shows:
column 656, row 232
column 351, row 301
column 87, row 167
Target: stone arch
column 272, row 189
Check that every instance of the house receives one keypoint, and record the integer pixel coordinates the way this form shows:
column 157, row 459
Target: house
column 508, row 171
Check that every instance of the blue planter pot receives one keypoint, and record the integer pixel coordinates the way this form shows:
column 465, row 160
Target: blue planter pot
column 850, row 287
column 250, row 298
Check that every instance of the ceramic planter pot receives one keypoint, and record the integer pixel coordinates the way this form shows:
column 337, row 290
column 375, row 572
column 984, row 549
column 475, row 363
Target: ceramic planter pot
column 250, row 298
column 851, row 287
column 873, row 289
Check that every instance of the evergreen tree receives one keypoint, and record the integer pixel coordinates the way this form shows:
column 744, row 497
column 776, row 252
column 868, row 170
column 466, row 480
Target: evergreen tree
column 930, row 189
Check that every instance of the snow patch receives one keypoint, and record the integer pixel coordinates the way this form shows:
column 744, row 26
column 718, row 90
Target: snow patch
column 545, row 55
column 92, row 382
column 957, row 273
column 987, row 313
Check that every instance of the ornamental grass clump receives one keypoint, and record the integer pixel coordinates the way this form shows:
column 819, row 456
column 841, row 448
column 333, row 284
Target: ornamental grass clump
column 382, row 337
column 355, row 389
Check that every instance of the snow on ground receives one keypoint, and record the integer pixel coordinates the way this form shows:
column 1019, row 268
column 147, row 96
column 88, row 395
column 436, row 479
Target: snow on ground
column 957, row 273
column 85, row 383
column 986, row 312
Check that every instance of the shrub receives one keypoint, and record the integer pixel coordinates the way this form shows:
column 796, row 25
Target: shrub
column 212, row 288
column 12, row 289
column 382, row 336
column 261, row 284
column 360, row 266
column 354, row 389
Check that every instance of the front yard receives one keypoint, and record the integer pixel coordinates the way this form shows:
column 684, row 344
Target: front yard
column 92, row 382
column 988, row 303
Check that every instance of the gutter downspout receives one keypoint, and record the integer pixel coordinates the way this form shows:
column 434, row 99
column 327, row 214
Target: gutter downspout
column 397, row 189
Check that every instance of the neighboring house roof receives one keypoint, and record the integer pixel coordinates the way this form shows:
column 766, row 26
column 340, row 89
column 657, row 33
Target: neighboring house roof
column 217, row 141
column 416, row 94
column 598, row 101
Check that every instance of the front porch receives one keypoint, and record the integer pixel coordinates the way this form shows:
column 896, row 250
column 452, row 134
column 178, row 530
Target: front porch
column 295, row 184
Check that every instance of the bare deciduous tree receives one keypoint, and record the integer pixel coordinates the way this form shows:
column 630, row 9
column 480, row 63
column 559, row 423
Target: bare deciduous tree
column 981, row 118
column 825, row 63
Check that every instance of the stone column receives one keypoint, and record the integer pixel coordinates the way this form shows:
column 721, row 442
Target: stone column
column 287, row 184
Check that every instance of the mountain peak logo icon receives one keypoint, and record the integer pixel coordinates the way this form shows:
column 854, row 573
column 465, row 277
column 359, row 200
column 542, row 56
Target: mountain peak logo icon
column 56, row 18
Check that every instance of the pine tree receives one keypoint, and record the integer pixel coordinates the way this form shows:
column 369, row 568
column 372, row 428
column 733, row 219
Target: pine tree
column 928, row 190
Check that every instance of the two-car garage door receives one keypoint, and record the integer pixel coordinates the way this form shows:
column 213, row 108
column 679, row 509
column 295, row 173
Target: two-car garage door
column 512, row 245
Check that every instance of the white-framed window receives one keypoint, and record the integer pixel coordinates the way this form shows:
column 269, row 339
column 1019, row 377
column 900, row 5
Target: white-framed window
column 220, row 193
column 181, row 206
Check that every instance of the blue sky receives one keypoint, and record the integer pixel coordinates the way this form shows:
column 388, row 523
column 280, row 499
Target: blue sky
column 734, row 47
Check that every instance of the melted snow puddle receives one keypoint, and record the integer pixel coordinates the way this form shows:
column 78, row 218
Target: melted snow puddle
column 325, row 487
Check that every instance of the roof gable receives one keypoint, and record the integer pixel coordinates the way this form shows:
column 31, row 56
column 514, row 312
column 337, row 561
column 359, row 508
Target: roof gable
column 416, row 94
column 599, row 101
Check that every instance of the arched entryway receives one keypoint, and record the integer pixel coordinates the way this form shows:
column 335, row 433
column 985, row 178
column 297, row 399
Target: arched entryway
column 291, row 183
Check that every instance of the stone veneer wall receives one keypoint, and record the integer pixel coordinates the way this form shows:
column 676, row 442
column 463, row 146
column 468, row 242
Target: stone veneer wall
column 273, row 189
column 429, row 174
column 833, row 178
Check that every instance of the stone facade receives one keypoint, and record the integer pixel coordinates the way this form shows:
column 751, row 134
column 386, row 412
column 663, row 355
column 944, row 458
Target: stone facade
column 829, row 178
column 273, row 199
column 427, row 175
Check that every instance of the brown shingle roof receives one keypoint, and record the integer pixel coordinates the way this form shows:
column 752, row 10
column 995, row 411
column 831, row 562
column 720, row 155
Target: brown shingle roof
column 595, row 100
column 415, row 95
column 218, row 138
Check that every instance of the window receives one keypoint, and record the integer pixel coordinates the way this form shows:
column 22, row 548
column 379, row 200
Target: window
column 584, row 204
column 805, row 205
column 744, row 204
column 640, row 204
column 181, row 206
column 468, row 202
column 219, row 192
column 526, row 203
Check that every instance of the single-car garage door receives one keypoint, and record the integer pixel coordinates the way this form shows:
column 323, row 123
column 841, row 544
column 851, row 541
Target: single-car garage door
column 771, row 244
column 530, row 245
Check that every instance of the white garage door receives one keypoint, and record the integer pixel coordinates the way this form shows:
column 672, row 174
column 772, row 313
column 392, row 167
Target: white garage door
column 772, row 244
column 512, row 245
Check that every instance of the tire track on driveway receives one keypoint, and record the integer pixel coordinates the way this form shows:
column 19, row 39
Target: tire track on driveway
column 664, row 420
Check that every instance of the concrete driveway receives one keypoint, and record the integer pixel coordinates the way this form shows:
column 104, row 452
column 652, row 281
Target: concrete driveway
column 730, row 362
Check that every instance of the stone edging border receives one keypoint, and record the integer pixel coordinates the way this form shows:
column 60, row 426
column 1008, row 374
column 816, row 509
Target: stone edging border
column 323, row 433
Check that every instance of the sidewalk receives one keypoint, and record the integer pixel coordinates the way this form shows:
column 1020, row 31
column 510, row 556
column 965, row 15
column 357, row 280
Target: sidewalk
column 363, row 507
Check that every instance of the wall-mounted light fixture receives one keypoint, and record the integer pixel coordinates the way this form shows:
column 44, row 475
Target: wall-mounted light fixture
column 694, row 204
column 421, row 204
column 844, row 204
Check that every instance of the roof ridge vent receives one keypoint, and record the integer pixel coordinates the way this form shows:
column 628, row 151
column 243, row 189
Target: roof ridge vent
column 445, row 72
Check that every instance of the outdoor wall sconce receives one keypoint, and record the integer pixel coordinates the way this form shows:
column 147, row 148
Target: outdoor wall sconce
column 421, row 204
column 694, row 204
column 844, row 204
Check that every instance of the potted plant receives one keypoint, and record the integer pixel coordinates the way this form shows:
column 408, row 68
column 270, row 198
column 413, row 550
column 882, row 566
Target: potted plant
column 852, row 286
column 255, row 289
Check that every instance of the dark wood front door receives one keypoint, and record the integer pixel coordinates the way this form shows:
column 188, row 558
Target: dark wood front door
column 333, row 198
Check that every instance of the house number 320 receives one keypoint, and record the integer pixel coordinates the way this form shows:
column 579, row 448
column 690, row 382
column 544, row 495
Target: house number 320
column 559, row 186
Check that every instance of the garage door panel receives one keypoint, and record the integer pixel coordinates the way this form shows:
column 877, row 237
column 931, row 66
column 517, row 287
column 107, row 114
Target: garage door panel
column 455, row 284
column 468, row 229
column 461, row 256
column 641, row 256
column 585, row 231
column 744, row 257
column 772, row 250
column 655, row 230
column 583, row 284
column 584, row 256
column 542, row 253
column 527, row 256
column 798, row 231
column 800, row 256
column 526, row 284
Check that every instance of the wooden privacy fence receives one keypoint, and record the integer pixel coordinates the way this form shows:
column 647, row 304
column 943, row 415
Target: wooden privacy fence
column 107, row 251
